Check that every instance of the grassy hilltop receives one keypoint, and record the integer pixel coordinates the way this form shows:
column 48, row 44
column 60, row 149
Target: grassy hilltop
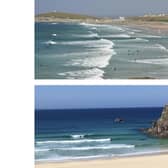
column 62, row 15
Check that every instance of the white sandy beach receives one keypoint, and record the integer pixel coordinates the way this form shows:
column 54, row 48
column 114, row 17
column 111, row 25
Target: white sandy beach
column 152, row 161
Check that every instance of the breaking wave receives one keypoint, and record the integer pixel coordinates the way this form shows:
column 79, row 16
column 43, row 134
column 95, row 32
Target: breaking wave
column 74, row 141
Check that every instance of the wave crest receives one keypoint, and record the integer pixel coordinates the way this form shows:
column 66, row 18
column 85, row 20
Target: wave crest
column 74, row 141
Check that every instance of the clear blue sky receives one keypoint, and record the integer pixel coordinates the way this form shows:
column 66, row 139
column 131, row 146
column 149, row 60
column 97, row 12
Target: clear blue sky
column 64, row 97
column 103, row 7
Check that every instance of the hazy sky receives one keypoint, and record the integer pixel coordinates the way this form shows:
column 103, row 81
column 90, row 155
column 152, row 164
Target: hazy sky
column 63, row 97
column 103, row 7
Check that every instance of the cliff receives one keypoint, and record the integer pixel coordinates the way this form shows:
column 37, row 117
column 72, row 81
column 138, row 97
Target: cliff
column 160, row 127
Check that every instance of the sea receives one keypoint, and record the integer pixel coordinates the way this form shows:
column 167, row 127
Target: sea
column 94, row 51
column 79, row 134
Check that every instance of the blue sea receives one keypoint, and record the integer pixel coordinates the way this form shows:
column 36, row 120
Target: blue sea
column 63, row 135
column 90, row 51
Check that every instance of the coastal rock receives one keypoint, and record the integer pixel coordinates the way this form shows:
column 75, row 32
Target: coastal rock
column 160, row 127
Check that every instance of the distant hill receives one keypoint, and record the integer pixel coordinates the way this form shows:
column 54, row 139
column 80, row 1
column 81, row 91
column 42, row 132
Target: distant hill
column 151, row 18
column 61, row 15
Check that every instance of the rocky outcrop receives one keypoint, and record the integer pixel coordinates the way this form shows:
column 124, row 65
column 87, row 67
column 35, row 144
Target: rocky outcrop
column 160, row 127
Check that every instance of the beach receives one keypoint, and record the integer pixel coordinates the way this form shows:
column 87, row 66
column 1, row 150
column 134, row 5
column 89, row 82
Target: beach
column 154, row 161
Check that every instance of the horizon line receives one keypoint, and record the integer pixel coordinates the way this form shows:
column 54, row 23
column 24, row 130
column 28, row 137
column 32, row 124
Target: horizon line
column 97, row 108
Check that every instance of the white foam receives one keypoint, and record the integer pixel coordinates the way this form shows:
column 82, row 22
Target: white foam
column 101, row 60
column 87, row 35
column 162, row 61
column 74, row 141
column 106, row 26
column 141, row 39
column 87, row 24
column 54, row 35
column 93, row 28
column 63, row 158
column 129, row 39
column 138, row 153
column 90, row 43
column 131, row 32
column 41, row 150
column 161, row 47
column 54, row 23
column 77, row 136
column 95, row 58
column 157, row 46
column 151, row 36
column 117, row 36
column 50, row 42
column 93, row 73
column 113, row 146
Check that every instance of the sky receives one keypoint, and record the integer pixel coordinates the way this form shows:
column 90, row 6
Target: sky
column 103, row 7
column 72, row 97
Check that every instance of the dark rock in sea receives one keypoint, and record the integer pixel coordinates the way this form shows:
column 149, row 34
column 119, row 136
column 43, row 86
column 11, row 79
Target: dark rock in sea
column 118, row 120
column 160, row 127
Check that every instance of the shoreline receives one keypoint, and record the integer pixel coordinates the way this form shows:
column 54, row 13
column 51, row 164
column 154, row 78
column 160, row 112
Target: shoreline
column 156, row 27
column 152, row 160
column 165, row 152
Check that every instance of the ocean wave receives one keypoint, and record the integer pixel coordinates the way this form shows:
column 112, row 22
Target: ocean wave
column 78, row 136
column 58, row 158
column 91, row 35
column 54, row 23
column 90, row 43
column 106, row 26
column 139, row 153
column 62, row 158
column 93, row 28
column 161, row 47
column 136, row 39
column 141, row 39
column 54, row 35
column 113, row 146
column 74, row 141
column 42, row 150
column 98, row 58
column 87, row 24
column 131, row 32
column 93, row 73
column 158, row 61
column 133, row 39
column 157, row 46
column 50, row 42
column 150, row 36
column 118, row 36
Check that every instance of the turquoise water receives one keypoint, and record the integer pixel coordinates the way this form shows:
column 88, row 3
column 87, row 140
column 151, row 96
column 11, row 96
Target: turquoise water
column 88, row 51
column 62, row 135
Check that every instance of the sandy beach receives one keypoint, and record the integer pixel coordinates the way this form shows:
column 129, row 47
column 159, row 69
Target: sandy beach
column 157, row 27
column 154, row 161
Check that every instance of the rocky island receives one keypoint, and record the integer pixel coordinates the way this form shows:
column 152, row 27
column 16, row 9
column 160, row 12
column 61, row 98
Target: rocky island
column 160, row 127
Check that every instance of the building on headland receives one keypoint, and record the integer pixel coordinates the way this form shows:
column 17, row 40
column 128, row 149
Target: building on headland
column 155, row 15
column 121, row 18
